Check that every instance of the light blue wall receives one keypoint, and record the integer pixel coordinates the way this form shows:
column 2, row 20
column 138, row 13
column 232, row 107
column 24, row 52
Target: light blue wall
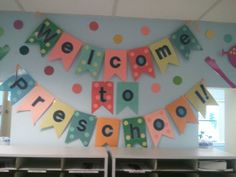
column 192, row 70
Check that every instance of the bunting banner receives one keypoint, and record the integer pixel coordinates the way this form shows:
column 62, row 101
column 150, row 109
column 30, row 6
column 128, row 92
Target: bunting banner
column 164, row 53
column 134, row 131
column 127, row 96
column 102, row 95
column 66, row 49
column 141, row 62
column 37, row 101
column 200, row 97
column 4, row 51
column 18, row 85
column 184, row 40
column 107, row 131
column 81, row 127
column 57, row 116
column 115, row 63
column 158, row 125
column 181, row 112
column 45, row 35
column 90, row 59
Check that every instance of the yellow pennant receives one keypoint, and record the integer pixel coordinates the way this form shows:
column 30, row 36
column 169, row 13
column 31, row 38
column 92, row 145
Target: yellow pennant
column 164, row 53
column 57, row 116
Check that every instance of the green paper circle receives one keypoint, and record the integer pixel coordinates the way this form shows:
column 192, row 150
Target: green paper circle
column 177, row 80
column 1, row 31
column 228, row 38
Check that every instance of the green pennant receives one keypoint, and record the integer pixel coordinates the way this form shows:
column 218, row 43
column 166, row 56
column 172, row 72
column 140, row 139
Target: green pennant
column 127, row 96
column 134, row 131
column 90, row 59
column 81, row 127
column 46, row 35
column 185, row 41
column 4, row 51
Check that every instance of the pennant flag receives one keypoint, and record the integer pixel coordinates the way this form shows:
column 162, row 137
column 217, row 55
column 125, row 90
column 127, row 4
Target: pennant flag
column 102, row 95
column 164, row 53
column 158, row 125
column 200, row 97
column 127, row 96
column 90, row 59
column 181, row 112
column 134, row 131
column 231, row 54
column 38, row 100
column 115, row 63
column 81, row 127
column 66, row 48
column 107, row 131
column 185, row 41
column 4, row 51
column 18, row 85
column 57, row 116
column 141, row 62
column 46, row 35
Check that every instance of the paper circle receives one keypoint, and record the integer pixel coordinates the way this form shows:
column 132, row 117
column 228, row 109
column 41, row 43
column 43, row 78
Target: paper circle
column 156, row 87
column 18, row 24
column 1, row 31
column 117, row 38
column 177, row 80
column 24, row 50
column 93, row 26
column 76, row 88
column 210, row 34
column 145, row 30
column 48, row 70
column 228, row 38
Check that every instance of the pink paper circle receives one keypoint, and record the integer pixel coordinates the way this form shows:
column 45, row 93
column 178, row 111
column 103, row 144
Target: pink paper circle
column 18, row 24
column 76, row 88
column 145, row 30
column 156, row 87
column 93, row 26
column 48, row 70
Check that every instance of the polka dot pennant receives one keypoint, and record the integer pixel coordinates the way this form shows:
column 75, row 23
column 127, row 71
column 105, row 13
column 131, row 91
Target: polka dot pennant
column 1, row 31
column 177, row 80
column 81, row 127
column 228, row 38
column 117, row 38
column 210, row 34
column 134, row 131
column 77, row 88
column 18, row 24
column 48, row 70
column 145, row 30
column 24, row 50
column 93, row 26
column 155, row 88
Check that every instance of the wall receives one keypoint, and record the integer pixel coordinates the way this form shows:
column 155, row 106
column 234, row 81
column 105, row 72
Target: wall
column 192, row 70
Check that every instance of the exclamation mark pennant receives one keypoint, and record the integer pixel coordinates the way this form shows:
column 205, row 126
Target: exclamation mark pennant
column 200, row 96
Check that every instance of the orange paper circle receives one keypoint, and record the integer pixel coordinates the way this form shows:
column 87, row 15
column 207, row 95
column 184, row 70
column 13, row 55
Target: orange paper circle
column 117, row 39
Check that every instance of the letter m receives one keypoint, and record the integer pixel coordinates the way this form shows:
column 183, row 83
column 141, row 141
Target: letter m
column 163, row 51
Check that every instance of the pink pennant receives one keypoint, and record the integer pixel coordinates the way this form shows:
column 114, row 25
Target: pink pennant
column 115, row 63
column 158, row 125
column 231, row 53
column 66, row 48
column 141, row 62
column 102, row 95
column 38, row 100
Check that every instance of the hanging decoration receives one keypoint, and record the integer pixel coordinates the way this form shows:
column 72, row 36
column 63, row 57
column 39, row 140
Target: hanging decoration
column 231, row 54
column 4, row 51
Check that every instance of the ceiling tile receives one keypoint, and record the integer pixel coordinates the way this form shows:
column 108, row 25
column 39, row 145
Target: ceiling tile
column 8, row 5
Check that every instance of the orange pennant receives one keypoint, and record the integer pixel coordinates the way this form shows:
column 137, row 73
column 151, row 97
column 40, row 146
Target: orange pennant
column 37, row 101
column 66, row 49
column 107, row 131
column 181, row 112
column 115, row 63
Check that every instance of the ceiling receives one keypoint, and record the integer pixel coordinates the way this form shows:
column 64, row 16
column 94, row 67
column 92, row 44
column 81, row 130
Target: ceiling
column 205, row 10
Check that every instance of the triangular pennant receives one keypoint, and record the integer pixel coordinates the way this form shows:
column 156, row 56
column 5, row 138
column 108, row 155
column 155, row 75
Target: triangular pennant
column 46, row 35
column 66, row 49
column 4, row 51
column 164, row 54
column 81, row 127
column 134, row 131
column 90, row 59
column 200, row 97
column 57, row 116
column 102, row 95
column 185, row 41
column 107, row 131
column 115, row 63
column 37, row 101
column 141, row 62
column 127, row 96
column 158, row 125
column 181, row 112
column 19, row 85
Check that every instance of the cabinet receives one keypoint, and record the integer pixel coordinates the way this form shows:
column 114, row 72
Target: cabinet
column 142, row 162
column 18, row 161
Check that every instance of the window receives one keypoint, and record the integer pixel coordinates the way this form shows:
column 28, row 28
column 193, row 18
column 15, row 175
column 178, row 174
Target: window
column 211, row 127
